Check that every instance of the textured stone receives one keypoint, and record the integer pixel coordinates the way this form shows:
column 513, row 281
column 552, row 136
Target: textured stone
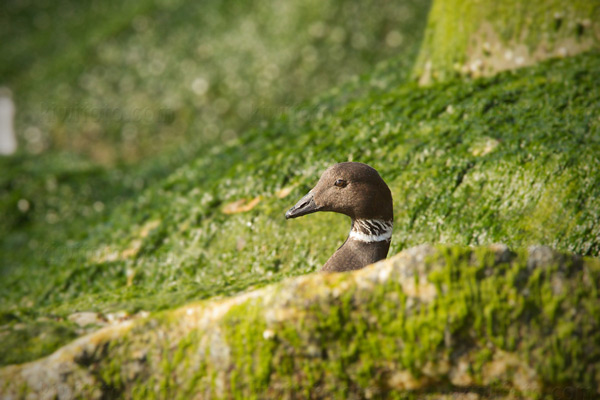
column 441, row 322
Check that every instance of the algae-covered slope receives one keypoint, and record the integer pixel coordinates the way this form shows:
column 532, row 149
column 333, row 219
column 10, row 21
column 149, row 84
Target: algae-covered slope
column 430, row 322
column 510, row 159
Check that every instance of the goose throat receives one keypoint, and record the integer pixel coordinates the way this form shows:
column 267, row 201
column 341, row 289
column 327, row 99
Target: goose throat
column 371, row 230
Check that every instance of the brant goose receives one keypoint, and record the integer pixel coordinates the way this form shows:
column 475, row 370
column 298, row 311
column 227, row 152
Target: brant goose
column 356, row 190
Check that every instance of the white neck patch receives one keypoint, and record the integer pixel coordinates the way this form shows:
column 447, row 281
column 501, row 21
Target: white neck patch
column 371, row 230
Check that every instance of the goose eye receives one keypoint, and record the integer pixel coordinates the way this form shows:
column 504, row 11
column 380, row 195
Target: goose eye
column 340, row 183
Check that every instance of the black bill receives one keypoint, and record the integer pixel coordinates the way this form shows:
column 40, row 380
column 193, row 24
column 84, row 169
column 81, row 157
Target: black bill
column 305, row 205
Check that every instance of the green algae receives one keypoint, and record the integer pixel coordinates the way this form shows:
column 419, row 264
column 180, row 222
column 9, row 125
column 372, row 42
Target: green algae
column 244, row 328
column 24, row 342
column 474, row 37
column 353, row 344
column 509, row 159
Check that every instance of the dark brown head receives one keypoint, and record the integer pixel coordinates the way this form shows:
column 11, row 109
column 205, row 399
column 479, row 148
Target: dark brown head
column 350, row 188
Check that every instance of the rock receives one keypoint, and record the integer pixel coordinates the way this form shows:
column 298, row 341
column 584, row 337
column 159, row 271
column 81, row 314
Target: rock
column 441, row 322
column 86, row 318
column 118, row 316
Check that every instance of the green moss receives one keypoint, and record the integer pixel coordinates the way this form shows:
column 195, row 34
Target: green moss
column 243, row 330
column 24, row 342
column 462, row 32
column 338, row 336
column 345, row 344
column 514, row 160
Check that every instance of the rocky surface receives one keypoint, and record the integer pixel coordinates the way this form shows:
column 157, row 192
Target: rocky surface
column 432, row 322
column 482, row 37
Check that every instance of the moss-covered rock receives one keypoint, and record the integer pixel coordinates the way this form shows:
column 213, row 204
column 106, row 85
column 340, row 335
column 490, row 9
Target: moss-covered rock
column 429, row 322
column 482, row 37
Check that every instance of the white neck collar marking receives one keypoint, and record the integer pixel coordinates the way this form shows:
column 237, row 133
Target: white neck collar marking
column 371, row 230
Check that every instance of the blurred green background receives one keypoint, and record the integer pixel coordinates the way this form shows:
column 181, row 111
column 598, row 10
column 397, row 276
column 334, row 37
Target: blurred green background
column 119, row 81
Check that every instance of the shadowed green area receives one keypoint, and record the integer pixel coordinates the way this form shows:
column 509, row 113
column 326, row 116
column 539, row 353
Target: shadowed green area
column 509, row 159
